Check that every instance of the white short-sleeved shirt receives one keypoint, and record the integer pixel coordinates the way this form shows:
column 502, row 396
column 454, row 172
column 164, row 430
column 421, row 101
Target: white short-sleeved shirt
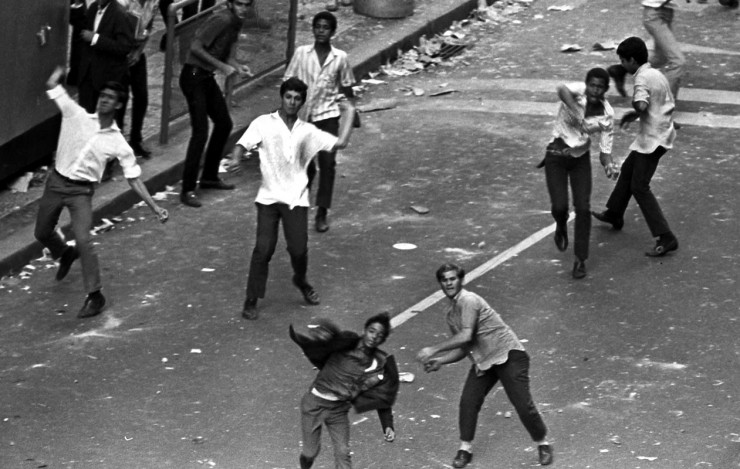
column 656, row 122
column 324, row 81
column 284, row 156
column 568, row 125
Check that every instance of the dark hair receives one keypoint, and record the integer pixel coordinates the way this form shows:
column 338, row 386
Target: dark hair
column 294, row 84
column 600, row 74
column 450, row 267
column 633, row 48
column 117, row 88
column 384, row 319
column 325, row 15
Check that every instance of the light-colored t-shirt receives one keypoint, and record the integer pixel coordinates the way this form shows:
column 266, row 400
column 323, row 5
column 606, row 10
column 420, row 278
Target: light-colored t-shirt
column 492, row 337
column 656, row 122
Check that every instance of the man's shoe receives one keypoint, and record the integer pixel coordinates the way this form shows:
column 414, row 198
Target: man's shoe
column 606, row 217
column 94, row 304
column 462, row 458
column 305, row 462
column 617, row 72
column 663, row 247
column 217, row 184
column 65, row 261
column 561, row 238
column 546, row 456
column 250, row 309
column 579, row 270
column 139, row 150
column 309, row 294
column 190, row 199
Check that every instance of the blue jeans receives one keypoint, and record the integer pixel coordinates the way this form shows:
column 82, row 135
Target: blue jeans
column 667, row 53
column 205, row 100
column 514, row 377
column 634, row 180
column 77, row 198
column 295, row 228
column 558, row 169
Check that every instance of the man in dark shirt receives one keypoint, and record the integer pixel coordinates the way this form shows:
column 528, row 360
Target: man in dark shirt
column 353, row 372
column 212, row 50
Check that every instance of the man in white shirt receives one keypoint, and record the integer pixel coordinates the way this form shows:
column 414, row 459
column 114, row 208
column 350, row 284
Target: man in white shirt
column 653, row 103
column 583, row 112
column 287, row 145
column 86, row 143
column 328, row 74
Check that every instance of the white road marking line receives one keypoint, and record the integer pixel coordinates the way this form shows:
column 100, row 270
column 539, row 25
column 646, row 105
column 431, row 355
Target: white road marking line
column 534, row 108
column 477, row 272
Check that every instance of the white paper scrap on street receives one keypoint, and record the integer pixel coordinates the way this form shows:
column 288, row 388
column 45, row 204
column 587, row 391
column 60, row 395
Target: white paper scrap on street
column 570, row 48
column 195, row 350
column 404, row 246
column 373, row 81
column 647, row 458
column 207, row 269
column 560, row 8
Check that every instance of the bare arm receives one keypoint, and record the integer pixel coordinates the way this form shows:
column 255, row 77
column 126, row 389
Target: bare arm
column 457, row 341
column 199, row 51
column 347, row 108
column 141, row 189
column 452, row 356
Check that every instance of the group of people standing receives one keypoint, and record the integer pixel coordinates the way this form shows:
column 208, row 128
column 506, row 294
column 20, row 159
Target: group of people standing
column 314, row 120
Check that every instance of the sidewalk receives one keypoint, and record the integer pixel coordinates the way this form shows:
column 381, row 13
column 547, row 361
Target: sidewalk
column 369, row 43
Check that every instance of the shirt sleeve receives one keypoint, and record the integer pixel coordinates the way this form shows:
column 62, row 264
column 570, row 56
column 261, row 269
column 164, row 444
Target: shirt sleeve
column 346, row 77
column 319, row 141
column 251, row 137
column 469, row 312
column 641, row 90
column 607, row 130
column 65, row 104
column 127, row 159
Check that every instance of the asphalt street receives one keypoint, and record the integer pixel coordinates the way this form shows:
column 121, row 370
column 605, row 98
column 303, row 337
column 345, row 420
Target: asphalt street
column 634, row 367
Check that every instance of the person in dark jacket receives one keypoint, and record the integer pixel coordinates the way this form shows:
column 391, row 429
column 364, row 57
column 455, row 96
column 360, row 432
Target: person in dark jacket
column 353, row 372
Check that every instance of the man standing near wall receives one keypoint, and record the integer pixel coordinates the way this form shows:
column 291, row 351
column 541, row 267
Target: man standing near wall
column 212, row 49
column 328, row 74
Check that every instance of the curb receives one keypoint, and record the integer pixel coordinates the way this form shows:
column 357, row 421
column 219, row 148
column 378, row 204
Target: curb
column 369, row 58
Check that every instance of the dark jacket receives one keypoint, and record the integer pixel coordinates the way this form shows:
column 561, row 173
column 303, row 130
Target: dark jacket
column 378, row 390
column 107, row 59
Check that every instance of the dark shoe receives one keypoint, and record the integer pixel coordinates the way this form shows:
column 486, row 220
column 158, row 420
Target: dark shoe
column 561, row 238
column 546, row 456
column 250, row 309
column 321, row 225
column 309, row 294
column 617, row 72
column 93, row 306
column 305, row 462
column 579, row 269
column 462, row 458
column 663, row 247
column 65, row 261
column 606, row 217
column 139, row 150
column 217, row 184
column 677, row 126
column 190, row 199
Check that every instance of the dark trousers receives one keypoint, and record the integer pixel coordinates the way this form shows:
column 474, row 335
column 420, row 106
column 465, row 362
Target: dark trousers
column 77, row 198
column 295, row 228
column 558, row 169
column 514, row 377
column 316, row 411
column 205, row 100
column 327, row 165
column 634, row 180
column 139, row 97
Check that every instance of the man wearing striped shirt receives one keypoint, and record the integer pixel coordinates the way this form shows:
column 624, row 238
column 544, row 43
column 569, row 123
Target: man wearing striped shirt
column 86, row 143
column 328, row 74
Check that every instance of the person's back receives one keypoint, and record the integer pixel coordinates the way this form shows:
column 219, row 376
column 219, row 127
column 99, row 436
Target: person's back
column 656, row 122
